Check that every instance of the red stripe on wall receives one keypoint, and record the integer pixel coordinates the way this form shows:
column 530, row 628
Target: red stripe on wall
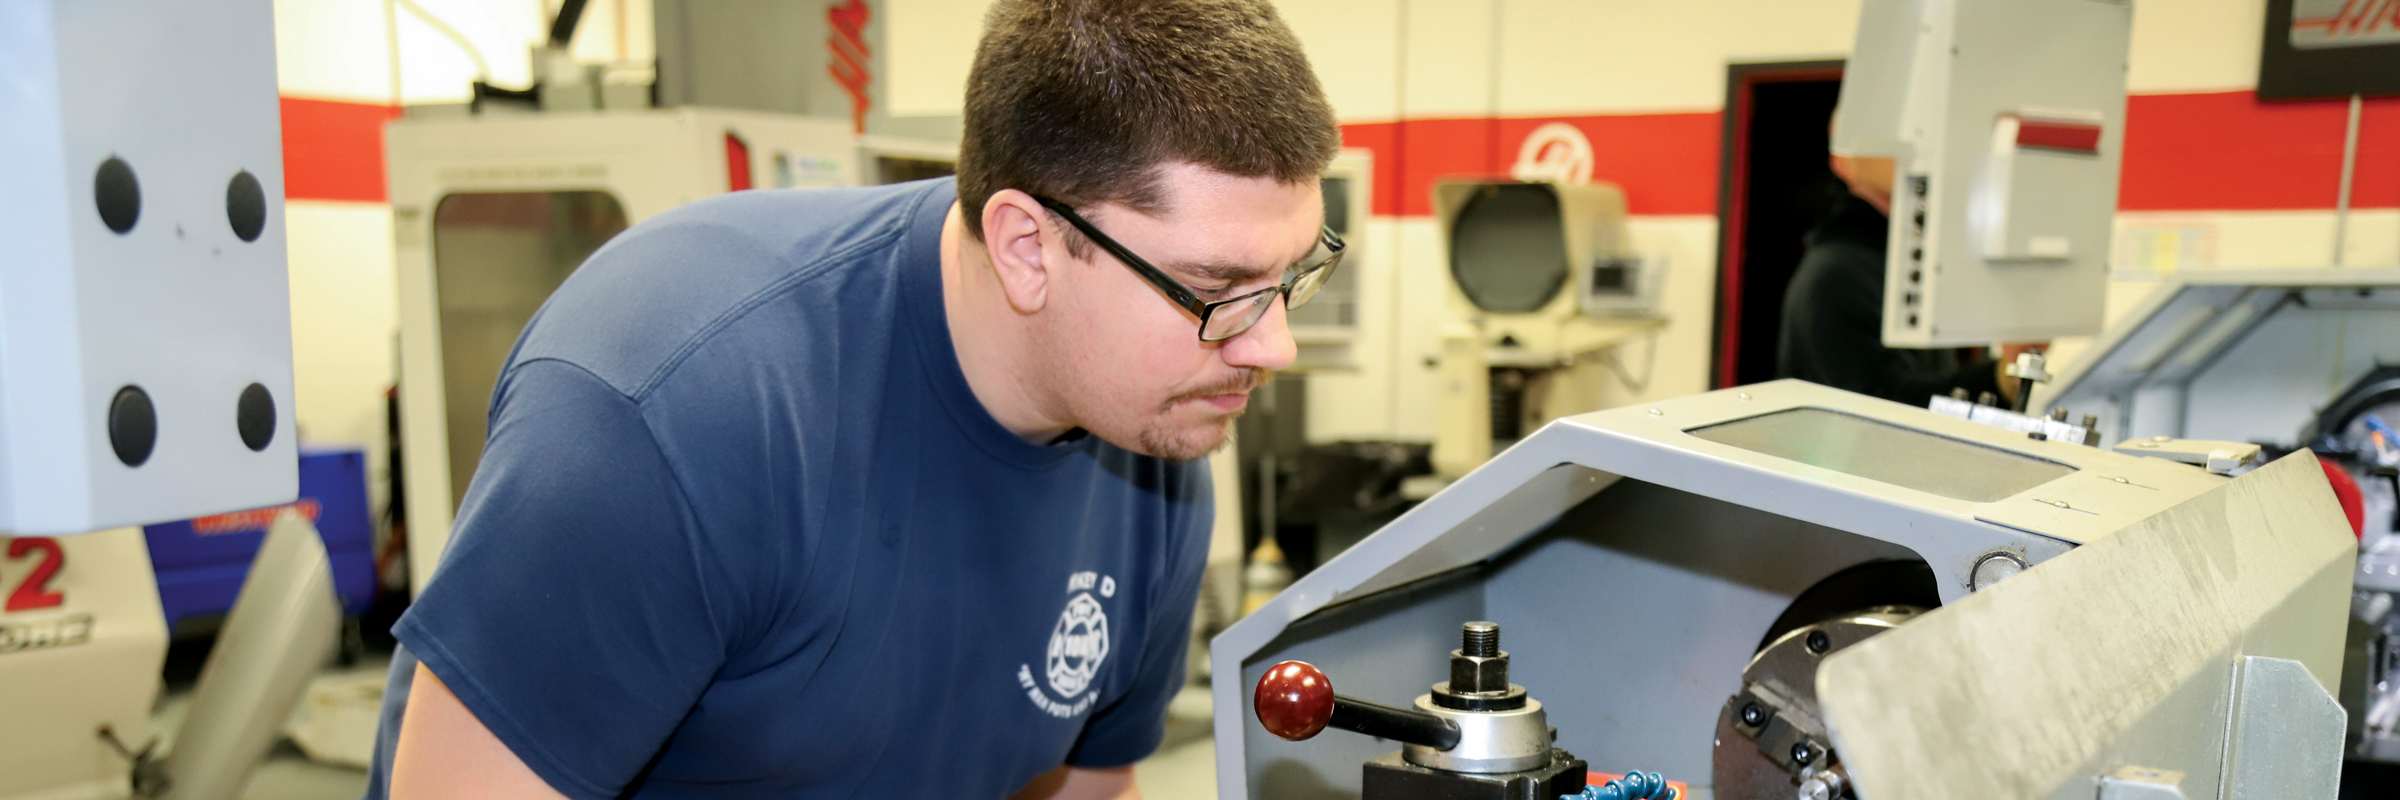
column 334, row 150
column 2228, row 151
column 1666, row 163
column 2183, row 152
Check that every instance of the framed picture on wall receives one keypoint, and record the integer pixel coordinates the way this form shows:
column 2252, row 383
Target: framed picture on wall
column 2321, row 49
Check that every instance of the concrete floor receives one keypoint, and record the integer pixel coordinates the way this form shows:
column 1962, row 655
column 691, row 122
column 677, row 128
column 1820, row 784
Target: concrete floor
column 289, row 775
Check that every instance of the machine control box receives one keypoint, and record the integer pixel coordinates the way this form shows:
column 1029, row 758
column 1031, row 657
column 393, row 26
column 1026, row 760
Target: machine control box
column 2005, row 120
column 145, row 319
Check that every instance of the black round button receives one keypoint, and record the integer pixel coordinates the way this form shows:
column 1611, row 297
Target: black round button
column 132, row 426
column 245, row 206
column 254, row 416
column 118, row 194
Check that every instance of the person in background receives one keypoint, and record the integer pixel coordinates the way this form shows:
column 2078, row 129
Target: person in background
column 1832, row 330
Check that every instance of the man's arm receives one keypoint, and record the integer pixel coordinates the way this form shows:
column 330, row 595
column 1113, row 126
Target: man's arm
column 445, row 752
column 1077, row 783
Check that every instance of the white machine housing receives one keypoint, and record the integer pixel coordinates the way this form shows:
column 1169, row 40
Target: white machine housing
column 2168, row 619
column 2006, row 120
column 142, row 154
column 644, row 161
column 2233, row 355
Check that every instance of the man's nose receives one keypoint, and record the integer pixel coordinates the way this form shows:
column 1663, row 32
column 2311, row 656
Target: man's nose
column 1266, row 345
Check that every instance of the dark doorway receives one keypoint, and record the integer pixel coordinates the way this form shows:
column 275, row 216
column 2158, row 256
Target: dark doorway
column 1775, row 186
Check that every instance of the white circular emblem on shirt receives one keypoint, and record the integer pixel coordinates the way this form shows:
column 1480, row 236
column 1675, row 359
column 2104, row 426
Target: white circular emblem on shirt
column 1077, row 646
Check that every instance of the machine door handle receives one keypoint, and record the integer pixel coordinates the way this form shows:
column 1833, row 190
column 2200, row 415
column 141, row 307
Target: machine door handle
column 1295, row 700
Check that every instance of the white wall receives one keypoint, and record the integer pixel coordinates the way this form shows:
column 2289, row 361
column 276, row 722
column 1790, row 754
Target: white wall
column 1576, row 56
column 343, row 320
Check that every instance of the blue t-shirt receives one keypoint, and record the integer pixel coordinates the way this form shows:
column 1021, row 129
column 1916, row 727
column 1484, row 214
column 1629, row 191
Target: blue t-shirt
column 742, row 530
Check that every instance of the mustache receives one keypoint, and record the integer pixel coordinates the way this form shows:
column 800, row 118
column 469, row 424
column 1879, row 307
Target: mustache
column 1248, row 379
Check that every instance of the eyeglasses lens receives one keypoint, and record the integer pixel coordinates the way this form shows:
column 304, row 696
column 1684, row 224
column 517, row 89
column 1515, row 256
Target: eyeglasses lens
column 1230, row 321
column 1305, row 289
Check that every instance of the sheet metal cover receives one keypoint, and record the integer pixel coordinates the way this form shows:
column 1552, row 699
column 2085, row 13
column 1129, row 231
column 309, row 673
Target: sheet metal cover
column 2028, row 688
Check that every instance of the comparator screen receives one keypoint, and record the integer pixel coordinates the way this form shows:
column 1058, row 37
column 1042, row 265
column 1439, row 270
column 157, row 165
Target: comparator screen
column 1881, row 451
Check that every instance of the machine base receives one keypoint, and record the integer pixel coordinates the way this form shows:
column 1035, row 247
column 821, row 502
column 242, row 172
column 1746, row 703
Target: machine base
column 1390, row 778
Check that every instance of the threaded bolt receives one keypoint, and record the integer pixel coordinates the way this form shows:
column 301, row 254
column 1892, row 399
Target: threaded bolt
column 1479, row 639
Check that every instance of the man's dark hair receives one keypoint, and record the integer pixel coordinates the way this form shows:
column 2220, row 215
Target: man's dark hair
column 1083, row 100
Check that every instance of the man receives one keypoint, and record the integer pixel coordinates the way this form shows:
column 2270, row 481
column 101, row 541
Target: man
column 1833, row 309
column 888, row 492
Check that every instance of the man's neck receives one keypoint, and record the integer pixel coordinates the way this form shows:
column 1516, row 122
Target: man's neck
column 991, row 338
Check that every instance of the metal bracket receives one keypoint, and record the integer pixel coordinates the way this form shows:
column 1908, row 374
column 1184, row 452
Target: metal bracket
column 2221, row 458
column 2285, row 736
column 2141, row 783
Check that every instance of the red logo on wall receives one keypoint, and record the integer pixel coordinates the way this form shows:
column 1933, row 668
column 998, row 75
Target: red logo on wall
column 256, row 519
column 848, row 45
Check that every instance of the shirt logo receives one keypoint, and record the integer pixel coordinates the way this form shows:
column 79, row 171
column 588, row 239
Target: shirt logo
column 1079, row 644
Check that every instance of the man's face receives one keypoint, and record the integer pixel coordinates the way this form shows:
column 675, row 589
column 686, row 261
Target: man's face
column 1128, row 362
column 1869, row 177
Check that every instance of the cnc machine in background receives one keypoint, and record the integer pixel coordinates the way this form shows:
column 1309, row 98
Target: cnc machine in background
column 492, row 211
column 496, row 201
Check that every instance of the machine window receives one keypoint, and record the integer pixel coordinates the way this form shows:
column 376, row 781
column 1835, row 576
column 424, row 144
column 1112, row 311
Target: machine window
column 496, row 257
column 1881, row 451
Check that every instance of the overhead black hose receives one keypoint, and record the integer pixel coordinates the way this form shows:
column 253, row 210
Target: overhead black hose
column 562, row 29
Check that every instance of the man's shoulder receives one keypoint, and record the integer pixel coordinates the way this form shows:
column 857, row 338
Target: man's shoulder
column 662, row 289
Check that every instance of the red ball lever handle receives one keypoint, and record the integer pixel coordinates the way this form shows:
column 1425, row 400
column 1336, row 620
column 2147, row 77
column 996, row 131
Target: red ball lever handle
column 1294, row 700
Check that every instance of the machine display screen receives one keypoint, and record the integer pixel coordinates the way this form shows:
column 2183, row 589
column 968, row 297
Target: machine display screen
column 1881, row 451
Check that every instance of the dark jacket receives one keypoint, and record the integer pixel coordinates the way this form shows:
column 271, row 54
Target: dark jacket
column 1833, row 319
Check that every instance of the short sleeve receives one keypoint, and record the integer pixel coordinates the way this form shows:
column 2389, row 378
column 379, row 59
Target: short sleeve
column 1130, row 729
column 569, row 613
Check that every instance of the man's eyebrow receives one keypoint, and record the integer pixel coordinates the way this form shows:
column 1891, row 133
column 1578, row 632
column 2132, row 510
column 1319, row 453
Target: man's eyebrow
column 1227, row 271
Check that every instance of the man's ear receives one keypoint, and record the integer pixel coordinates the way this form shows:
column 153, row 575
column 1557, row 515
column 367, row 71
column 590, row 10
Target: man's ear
column 1013, row 226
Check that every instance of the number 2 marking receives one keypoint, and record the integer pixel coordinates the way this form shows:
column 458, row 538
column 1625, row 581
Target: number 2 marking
column 35, row 592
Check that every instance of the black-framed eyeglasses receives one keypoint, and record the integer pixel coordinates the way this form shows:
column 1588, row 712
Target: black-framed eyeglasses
column 1223, row 319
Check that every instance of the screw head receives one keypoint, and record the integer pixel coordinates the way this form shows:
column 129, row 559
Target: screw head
column 1818, row 642
column 1802, row 753
column 1753, row 715
column 1993, row 568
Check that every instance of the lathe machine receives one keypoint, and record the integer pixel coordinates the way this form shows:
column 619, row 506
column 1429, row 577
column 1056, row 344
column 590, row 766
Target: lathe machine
column 1785, row 590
